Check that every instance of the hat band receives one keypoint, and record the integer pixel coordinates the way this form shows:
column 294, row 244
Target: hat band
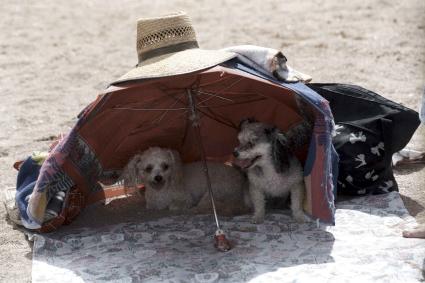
column 168, row 49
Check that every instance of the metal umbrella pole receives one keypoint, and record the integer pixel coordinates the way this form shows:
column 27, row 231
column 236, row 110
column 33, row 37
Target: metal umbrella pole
column 220, row 241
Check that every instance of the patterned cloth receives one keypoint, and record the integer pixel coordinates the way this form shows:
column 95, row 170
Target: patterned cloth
column 365, row 165
column 365, row 246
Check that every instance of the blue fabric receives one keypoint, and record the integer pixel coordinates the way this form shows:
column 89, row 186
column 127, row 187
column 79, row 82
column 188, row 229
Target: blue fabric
column 27, row 177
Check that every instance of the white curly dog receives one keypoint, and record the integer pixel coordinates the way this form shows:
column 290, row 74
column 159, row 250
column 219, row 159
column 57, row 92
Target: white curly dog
column 170, row 184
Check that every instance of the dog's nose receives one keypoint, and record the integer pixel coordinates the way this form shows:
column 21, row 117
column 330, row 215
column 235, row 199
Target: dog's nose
column 235, row 153
column 158, row 178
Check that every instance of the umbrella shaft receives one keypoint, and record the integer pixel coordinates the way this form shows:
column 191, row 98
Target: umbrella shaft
column 195, row 124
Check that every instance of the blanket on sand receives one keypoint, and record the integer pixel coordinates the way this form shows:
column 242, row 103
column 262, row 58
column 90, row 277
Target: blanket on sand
column 365, row 246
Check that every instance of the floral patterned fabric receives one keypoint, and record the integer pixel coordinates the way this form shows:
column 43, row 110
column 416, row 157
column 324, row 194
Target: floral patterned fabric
column 364, row 246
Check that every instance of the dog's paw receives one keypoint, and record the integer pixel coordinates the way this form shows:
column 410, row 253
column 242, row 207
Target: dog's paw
column 178, row 205
column 300, row 217
column 175, row 207
column 257, row 219
column 199, row 210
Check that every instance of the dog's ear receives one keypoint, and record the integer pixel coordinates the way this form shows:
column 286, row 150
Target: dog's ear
column 177, row 165
column 280, row 150
column 246, row 121
column 131, row 175
column 305, row 110
column 270, row 131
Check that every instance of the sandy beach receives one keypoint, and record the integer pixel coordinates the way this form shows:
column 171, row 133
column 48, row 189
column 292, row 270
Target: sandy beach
column 56, row 56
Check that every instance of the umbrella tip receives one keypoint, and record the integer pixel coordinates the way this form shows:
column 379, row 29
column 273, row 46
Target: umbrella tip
column 220, row 241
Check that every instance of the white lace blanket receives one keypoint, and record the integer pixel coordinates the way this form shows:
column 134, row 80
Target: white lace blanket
column 364, row 246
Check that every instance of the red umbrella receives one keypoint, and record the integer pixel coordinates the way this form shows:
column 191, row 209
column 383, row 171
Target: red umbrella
column 134, row 116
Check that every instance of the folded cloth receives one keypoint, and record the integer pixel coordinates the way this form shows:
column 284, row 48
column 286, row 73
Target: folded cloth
column 27, row 177
column 270, row 62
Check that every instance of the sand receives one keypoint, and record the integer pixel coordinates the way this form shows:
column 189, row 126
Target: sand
column 55, row 57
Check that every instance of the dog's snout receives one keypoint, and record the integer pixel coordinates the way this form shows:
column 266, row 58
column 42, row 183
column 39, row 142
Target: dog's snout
column 236, row 153
column 158, row 178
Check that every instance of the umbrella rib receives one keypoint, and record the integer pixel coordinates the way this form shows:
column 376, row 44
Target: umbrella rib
column 211, row 95
column 177, row 100
column 215, row 118
column 220, row 80
column 219, row 91
column 229, row 86
column 148, row 128
column 150, row 109
column 160, row 117
column 234, row 103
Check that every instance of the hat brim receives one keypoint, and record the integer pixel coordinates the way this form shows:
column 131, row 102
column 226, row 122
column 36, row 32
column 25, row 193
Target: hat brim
column 177, row 63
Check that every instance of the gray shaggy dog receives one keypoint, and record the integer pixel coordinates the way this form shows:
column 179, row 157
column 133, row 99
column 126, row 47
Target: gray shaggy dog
column 170, row 184
column 266, row 155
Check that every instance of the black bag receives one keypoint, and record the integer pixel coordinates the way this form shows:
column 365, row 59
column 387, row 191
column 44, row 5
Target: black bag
column 369, row 130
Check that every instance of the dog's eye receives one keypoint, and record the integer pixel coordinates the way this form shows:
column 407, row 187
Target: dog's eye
column 165, row 166
column 250, row 144
column 149, row 168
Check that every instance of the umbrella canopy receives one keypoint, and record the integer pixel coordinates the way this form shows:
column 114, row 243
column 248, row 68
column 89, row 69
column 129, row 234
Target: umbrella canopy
column 131, row 117
column 134, row 117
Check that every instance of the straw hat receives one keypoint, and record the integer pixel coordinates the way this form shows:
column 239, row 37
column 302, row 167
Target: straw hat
column 167, row 46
